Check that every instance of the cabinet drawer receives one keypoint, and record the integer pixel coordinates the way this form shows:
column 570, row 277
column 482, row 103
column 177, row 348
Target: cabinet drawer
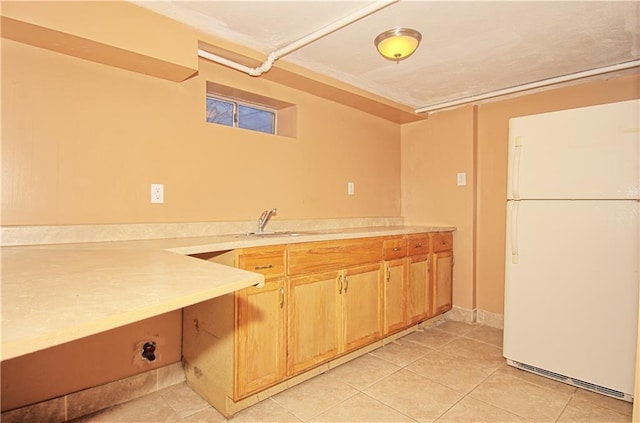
column 394, row 248
column 267, row 261
column 332, row 255
column 442, row 241
column 417, row 244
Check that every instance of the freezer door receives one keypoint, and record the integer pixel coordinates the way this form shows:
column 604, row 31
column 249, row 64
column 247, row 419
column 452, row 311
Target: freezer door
column 591, row 153
column 571, row 291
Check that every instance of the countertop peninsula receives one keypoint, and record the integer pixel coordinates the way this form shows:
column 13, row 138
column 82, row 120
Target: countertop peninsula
column 56, row 293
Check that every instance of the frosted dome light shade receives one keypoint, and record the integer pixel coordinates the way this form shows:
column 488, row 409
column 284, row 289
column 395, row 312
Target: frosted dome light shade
column 398, row 44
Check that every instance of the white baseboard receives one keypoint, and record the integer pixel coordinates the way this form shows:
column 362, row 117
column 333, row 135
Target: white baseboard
column 484, row 317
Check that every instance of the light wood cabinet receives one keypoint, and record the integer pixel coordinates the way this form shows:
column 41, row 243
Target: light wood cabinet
column 322, row 302
column 417, row 244
column 362, row 306
column 260, row 347
column 236, row 344
column 395, row 295
column 313, row 257
column 419, row 280
column 395, row 283
column 442, row 271
column 313, row 324
column 268, row 261
column 260, row 337
column 332, row 312
column 419, row 289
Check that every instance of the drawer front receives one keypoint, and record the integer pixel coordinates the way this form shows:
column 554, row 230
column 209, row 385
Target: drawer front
column 395, row 248
column 417, row 244
column 442, row 241
column 269, row 262
column 332, row 255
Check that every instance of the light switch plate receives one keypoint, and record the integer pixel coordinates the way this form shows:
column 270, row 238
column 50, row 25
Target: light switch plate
column 461, row 179
column 350, row 188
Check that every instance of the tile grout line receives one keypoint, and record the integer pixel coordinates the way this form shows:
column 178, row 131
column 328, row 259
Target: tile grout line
column 485, row 402
column 463, row 396
column 494, row 372
column 467, row 394
column 564, row 408
column 404, row 367
column 394, row 409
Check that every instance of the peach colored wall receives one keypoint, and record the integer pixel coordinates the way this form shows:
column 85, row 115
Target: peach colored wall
column 82, row 142
column 91, row 361
column 492, row 169
column 433, row 152
column 474, row 141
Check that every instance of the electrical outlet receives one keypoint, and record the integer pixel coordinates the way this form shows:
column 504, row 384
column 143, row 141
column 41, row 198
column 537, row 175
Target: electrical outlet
column 350, row 188
column 461, row 179
column 157, row 193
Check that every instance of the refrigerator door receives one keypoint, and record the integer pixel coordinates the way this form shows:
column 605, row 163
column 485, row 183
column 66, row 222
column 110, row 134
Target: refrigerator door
column 571, row 292
column 590, row 153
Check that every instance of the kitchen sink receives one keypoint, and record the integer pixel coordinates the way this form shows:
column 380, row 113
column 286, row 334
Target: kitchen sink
column 276, row 234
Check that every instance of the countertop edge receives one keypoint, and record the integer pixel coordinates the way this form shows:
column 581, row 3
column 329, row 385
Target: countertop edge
column 237, row 241
column 27, row 346
column 150, row 252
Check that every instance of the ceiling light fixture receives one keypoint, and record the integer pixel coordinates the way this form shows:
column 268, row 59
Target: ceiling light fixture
column 398, row 44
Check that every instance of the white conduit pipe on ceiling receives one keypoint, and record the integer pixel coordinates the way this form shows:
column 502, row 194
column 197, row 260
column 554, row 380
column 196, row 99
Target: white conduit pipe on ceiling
column 307, row 39
column 531, row 85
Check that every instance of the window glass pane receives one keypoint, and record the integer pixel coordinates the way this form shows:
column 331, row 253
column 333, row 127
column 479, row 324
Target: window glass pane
column 256, row 119
column 219, row 111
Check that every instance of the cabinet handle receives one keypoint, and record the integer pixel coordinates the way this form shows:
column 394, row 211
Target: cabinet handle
column 340, row 285
column 419, row 245
column 346, row 284
column 388, row 273
column 396, row 248
column 268, row 266
column 281, row 297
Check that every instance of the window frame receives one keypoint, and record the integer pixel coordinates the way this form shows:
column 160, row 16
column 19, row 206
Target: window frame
column 286, row 113
column 235, row 118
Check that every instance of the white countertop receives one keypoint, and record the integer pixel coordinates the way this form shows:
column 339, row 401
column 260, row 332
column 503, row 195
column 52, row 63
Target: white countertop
column 52, row 294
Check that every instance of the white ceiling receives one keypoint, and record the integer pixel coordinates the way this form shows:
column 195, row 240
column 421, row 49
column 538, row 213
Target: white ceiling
column 468, row 47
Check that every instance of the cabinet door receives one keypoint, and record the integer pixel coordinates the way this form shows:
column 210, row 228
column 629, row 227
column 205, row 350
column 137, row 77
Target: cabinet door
column 313, row 320
column 362, row 310
column 443, row 278
column 394, row 295
column 419, row 289
column 260, row 337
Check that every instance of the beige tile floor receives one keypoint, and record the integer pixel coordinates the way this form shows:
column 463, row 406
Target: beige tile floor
column 450, row 372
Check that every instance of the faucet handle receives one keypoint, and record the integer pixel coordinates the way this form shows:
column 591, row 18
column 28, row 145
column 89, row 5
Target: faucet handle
column 264, row 218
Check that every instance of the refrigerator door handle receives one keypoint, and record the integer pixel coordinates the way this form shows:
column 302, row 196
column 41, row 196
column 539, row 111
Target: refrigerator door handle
column 514, row 231
column 515, row 169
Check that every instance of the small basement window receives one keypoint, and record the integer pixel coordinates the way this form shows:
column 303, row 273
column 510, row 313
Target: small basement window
column 232, row 113
column 241, row 109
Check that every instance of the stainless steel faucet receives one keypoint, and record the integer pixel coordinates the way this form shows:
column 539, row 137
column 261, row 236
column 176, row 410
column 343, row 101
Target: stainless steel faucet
column 264, row 218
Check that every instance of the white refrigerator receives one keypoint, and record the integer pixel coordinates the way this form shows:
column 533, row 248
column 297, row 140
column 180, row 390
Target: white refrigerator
column 571, row 287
